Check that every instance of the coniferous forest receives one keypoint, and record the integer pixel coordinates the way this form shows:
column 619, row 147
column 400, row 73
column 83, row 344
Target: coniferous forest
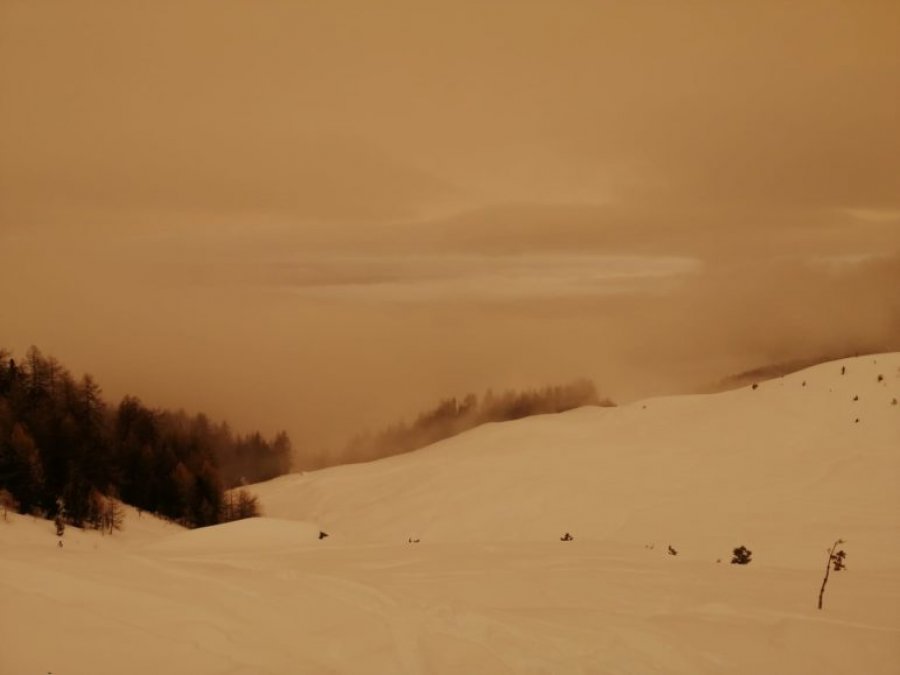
column 66, row 452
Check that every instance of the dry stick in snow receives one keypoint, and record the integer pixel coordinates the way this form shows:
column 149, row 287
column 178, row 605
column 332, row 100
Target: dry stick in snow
column 828, row 569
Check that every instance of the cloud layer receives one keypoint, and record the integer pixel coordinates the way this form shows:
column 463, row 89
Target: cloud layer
column 326, row 215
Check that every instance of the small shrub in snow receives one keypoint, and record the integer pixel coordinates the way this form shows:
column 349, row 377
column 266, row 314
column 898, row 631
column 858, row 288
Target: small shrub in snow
column 60, row 519
column 741, row 556
column 835, row 560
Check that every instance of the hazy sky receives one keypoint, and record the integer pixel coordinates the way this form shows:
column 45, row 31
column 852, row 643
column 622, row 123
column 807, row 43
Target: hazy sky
column 324, row 215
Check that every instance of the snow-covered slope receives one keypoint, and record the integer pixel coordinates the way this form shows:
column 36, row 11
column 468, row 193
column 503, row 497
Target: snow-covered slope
column 784, row 469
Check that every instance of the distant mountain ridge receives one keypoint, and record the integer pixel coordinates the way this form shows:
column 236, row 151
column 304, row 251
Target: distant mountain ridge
column 784, row 466
column 781, row 368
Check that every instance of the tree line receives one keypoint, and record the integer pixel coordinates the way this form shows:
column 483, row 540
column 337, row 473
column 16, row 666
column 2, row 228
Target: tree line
column 64, row 451
column 453, row 416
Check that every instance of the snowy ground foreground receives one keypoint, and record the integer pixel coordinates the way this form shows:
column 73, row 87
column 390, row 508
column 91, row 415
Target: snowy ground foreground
column 784, row 469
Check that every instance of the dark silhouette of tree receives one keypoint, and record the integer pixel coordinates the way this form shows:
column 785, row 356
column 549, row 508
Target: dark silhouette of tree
column 60, row 518
column 22, row 469
column 239, row 504
column 7, row 503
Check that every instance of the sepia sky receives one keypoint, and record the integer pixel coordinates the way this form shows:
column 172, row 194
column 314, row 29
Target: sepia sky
column 324, row 215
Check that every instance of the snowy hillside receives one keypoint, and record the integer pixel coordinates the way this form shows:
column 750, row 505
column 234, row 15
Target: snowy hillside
column 788, row 466
column 785, row 469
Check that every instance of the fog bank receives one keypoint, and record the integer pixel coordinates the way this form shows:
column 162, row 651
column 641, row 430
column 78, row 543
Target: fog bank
column 327, row 217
